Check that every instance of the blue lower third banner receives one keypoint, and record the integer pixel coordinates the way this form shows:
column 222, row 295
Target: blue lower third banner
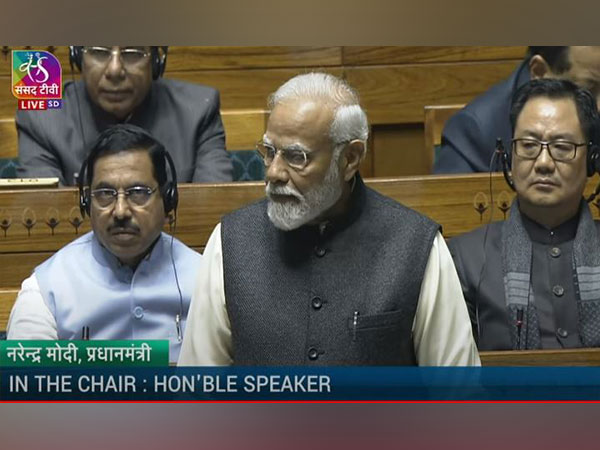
column 300, row 384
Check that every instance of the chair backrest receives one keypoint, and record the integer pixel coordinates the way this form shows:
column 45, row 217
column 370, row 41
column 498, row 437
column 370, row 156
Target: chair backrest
column 436, row 117
column 8, row 148
column 8, row 138
column 243, row 129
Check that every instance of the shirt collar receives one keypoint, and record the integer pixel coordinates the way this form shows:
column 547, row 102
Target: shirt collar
column 543, row 235
column 105, row 258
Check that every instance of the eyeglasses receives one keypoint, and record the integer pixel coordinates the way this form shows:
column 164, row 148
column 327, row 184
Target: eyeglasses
column 135, row 195
column 559, row 150
column 130, row 56
column 294, row 157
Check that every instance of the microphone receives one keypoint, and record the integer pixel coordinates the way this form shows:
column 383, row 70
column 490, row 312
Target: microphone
column 519, row 326
column 178, row 327
column 85, row 333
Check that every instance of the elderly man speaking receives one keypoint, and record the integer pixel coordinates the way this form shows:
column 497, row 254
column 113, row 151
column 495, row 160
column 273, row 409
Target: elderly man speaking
column 325, row 271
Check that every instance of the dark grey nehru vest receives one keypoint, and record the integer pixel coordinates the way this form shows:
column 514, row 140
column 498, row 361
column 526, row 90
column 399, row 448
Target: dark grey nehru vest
column 342, row 293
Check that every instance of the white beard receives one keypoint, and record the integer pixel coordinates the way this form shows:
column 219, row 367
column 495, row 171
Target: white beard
column 293, row 214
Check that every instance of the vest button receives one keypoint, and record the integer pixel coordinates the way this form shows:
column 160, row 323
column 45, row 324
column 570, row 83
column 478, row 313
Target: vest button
column 317, row 302
column 558, row 290
column 313, row 353
column 555, row 252
column 138, row 312
column 320, row 251
column 562, row 333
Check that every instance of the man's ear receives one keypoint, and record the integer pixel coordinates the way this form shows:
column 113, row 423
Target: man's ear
column 539, row 68
column 353, row 155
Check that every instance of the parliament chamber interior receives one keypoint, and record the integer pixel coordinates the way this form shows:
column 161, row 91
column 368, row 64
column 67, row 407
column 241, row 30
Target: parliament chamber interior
column 408, row 94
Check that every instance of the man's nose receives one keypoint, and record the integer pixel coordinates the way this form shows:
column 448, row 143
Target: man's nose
column 544, row 161
column 122, row 208
column 115, row 67
column 278, row 171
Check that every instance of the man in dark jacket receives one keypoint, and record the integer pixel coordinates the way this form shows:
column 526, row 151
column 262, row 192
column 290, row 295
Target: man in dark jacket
column 469, row 137
column 533, row 281
column 325, row 271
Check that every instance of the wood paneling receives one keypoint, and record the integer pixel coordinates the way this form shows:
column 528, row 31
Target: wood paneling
column 244, row 89
column 398, row 94
column 563, row 357
column 398, row 150
column 7, row 298
column 35, row 208
column 392, row 94
column 355, row 56
column 8, row 138
column 449, row 200
column 210, row 58
column 18, row 266
column 244, row 128
column 8, row 103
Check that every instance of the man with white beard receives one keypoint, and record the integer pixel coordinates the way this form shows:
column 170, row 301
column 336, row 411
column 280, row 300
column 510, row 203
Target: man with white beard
column 325, row 271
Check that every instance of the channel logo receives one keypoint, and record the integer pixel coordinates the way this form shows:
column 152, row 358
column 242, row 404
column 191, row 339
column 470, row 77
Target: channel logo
column 36, row 80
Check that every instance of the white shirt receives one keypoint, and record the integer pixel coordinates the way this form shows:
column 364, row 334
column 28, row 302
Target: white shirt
column 30, row 317
column 442, row 333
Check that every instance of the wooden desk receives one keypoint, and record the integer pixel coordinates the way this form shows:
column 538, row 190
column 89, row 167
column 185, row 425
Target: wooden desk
column 567, row 357
column 7, row 299
column 40, row 221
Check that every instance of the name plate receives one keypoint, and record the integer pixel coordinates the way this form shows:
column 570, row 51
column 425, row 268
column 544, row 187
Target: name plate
column 137, row 353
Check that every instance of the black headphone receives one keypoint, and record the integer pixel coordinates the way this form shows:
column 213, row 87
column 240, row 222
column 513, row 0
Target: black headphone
column 169, row 192
column 159, row 62
column 592, row 161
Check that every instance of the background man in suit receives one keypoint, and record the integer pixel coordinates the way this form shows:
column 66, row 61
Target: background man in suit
column 532, row 281
column 469, row 137
column 124, row 85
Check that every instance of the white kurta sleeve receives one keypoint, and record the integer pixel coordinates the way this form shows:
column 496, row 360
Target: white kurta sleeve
column 442, row 329
column 30, row 317
column 207, row 339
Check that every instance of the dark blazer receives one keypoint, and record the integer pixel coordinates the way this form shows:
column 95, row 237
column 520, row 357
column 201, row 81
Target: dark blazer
column 469, row 137
column 184, row 117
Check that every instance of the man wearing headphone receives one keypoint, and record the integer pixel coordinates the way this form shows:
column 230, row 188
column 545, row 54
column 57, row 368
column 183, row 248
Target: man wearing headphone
column 124, row 85
column 533, row 281
column 126, row 279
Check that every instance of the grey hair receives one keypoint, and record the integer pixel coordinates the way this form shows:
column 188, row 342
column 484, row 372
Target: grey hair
column 349, row 119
